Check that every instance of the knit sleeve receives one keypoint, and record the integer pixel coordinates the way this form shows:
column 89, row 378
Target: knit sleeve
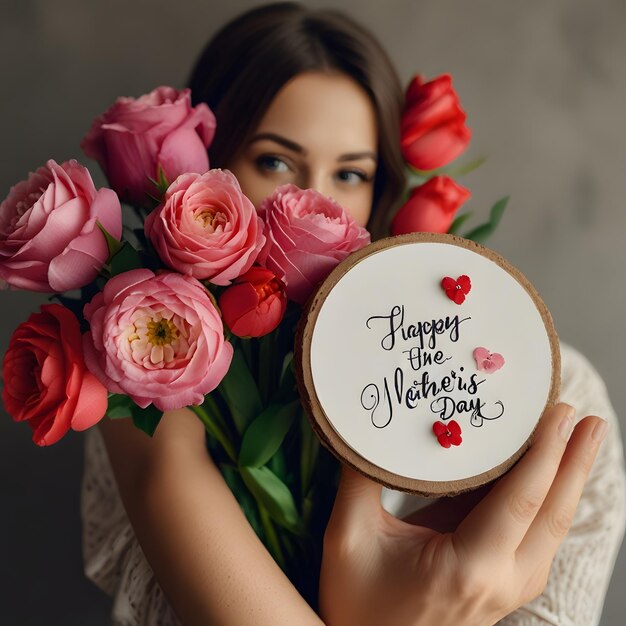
column 581, row 570
column 112, row 557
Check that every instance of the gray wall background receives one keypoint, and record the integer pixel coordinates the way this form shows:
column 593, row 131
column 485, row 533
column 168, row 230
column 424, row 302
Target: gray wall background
column 544, row 87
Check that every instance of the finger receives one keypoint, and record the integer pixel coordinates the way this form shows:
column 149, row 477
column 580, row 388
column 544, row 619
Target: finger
column 501, row 520
column 357, row 499
column 557, row 512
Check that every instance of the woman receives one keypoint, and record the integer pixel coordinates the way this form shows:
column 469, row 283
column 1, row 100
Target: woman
column 309, row 97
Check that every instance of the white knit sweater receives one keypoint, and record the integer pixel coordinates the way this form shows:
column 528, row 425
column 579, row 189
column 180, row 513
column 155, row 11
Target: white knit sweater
column 579, row 576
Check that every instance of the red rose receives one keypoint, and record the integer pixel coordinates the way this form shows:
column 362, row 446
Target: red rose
column 431, row 207
column 433, row 130
column 255, row 304
column 46, row 381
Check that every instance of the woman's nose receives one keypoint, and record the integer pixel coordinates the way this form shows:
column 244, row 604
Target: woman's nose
column 317, row 180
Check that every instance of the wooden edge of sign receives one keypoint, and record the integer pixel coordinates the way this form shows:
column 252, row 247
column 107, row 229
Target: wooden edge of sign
column 316, row 415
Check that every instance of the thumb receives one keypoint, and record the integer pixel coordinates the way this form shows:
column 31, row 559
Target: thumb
column 357, row 500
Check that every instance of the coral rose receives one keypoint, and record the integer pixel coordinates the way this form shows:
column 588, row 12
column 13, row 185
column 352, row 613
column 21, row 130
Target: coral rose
column 134, row 137
column 431, row 207
column 49, row 239
column 156, row 338
column 46, row 382
column 433, row 130
column 206, row 227
column 255, row 304
column 307, row 235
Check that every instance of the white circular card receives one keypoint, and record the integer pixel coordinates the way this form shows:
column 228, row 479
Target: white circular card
column 427, row 361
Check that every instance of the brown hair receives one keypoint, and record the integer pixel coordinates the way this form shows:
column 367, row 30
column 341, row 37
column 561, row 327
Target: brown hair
column 247, row 62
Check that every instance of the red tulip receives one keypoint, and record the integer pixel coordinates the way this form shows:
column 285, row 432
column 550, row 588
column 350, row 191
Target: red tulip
column 431, row 207
column 433, row 130
column 255, row 304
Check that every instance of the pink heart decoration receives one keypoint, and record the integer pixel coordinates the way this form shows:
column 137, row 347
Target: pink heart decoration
column 488, row 362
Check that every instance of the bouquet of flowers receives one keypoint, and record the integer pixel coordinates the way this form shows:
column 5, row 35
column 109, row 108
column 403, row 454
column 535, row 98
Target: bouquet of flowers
column 197, row 305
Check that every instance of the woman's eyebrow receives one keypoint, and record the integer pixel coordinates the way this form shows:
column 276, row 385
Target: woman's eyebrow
column 283, row 141
column 355, row 156
column 296, row 147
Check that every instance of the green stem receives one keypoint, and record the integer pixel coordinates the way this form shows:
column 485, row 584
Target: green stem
column 246, row 350
column 210, row 403
column 266, row 366
column 215, row 429
column 272, row 537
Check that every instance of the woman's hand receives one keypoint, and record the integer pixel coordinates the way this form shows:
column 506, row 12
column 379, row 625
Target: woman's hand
column 379, row 570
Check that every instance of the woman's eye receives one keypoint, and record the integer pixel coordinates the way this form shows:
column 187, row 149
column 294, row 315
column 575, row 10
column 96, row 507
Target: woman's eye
column 272, row 163
column 353, row 177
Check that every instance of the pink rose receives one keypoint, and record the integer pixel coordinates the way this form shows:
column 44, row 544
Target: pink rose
column 46, row 382
column 431, row 207
column 307, row 235
column 156, row 338
column 206, row 227
column 135, row 136
column 49, row 239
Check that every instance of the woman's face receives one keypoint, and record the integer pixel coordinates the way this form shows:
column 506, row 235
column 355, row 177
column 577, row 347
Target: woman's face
column 319, row 132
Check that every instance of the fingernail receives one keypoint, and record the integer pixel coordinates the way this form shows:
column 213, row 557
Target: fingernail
column 567, row 424
column 599, row 430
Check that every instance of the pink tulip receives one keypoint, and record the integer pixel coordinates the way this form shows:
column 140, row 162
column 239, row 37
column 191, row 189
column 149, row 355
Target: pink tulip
column 49, row 239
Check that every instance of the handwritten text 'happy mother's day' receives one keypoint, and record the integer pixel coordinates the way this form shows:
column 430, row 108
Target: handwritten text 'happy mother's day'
column 453, row 393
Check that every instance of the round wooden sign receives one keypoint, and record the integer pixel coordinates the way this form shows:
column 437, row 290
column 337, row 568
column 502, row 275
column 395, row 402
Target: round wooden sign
column 425, row 362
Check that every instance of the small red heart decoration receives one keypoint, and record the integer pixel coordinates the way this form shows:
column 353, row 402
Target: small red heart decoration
column 457, row 289
column 448, row 433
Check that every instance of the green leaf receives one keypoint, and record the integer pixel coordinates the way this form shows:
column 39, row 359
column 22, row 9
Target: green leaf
column 215, row 424
column 113, row 244
column 287, row 365
column 287, row 385
column 267, row 364
column 119, row 406
column 278, row 465
column 126, row 259
column 241, row 392
column 458, row 222
column 462, row 170
column 274, row 495
column 146, row 419
column 266, row 433
column 163, row 182
column 244, row 497
column 453, row 171
column 482, row 232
